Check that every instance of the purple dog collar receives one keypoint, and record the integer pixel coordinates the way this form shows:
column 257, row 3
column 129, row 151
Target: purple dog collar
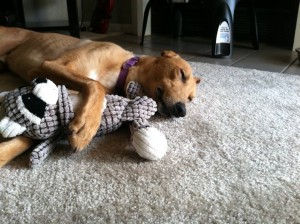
column 123, row 74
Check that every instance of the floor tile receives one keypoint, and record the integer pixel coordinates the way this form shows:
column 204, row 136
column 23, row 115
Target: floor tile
column 269, row 58
column 294, row 68
column 238, row 54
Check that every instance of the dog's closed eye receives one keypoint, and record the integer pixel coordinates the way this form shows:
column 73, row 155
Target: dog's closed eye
column 182, row 75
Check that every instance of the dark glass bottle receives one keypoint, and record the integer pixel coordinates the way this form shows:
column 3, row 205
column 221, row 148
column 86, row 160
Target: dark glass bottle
column 222, row 28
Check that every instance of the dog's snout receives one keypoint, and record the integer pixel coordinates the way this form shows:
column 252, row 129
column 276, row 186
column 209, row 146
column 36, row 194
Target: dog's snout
column 179, row 110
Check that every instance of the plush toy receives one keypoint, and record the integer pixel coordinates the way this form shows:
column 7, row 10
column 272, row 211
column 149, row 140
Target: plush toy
column 43, row 110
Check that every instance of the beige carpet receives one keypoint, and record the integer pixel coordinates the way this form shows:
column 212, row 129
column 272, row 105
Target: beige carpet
column 235, row 158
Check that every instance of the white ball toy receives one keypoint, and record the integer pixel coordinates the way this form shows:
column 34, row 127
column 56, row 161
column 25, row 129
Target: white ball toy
column 149, row 143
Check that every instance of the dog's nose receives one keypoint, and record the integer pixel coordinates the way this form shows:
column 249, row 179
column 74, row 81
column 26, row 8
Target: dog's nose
column 179, row 110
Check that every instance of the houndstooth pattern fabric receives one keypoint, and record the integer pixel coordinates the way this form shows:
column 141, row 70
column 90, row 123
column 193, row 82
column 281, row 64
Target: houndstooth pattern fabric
column 139, row 123
column 120, row 109
column 65, row 107
column 55, row 117
column 11, row 108
column 42, row 151
column 133, row 90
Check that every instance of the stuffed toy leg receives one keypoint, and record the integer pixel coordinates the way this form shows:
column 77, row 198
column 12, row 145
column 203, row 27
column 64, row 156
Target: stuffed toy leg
column 43, row 110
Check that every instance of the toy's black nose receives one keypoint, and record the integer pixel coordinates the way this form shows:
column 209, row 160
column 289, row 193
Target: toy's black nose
column 179, row 110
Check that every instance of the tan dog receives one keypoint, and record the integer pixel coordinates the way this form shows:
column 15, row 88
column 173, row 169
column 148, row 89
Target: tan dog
column 92, row 68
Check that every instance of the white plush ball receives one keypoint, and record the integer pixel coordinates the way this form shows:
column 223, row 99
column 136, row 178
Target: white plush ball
column 149, row 143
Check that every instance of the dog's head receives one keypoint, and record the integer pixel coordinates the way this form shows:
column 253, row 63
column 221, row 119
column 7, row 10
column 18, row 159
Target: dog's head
column 168, row 79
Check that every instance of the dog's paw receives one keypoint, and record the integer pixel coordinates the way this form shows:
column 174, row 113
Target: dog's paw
column 82, row 132
column 88, row 117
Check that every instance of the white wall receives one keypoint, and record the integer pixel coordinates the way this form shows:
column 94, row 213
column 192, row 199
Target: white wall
column 127, row 16
column 42, row 12
column 297, row 33
column 121, row 17
column 138, row 8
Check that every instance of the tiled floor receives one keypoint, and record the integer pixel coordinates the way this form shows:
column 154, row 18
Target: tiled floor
column 268, row 58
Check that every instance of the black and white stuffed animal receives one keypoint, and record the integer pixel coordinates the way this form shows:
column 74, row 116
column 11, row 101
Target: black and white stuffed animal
column 43, row 110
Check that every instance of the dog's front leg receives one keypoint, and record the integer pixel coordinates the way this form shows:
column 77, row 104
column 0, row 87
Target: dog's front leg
column 88, row 116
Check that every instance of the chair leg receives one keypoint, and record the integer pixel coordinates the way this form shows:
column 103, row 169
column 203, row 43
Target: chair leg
column 253, row 24
column 18, row 4
column 145, row 20
column 73, row 18
column 176, row 20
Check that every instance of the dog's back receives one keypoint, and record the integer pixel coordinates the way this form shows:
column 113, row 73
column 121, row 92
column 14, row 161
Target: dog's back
column 23, row 50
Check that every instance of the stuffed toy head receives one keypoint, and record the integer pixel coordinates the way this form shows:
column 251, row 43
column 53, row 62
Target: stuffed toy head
column 38, row 111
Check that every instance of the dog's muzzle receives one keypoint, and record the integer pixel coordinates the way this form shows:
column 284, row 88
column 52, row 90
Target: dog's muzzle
column 176, row 110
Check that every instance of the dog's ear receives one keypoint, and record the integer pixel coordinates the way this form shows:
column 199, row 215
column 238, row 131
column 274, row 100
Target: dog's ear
column 169, row 54
column 197, row 80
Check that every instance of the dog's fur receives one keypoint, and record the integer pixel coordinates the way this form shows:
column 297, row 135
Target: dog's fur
column 92, row 68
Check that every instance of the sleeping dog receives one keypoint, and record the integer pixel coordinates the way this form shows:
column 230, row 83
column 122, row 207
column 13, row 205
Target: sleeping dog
column 94, row 69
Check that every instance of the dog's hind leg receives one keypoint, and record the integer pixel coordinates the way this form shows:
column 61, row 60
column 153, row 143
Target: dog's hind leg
column 10, row 38
column 11, row 148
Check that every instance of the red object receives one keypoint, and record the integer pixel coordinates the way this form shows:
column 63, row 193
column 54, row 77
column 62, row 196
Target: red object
column 101, row 16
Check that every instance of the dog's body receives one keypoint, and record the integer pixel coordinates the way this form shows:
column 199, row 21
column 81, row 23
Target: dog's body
column 93, row 68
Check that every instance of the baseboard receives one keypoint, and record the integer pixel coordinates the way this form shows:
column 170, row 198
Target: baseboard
column 126, row 28
column 113, row 27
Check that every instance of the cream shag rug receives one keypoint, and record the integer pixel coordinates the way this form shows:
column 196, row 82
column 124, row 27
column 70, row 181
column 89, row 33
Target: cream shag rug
column 235, row 158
